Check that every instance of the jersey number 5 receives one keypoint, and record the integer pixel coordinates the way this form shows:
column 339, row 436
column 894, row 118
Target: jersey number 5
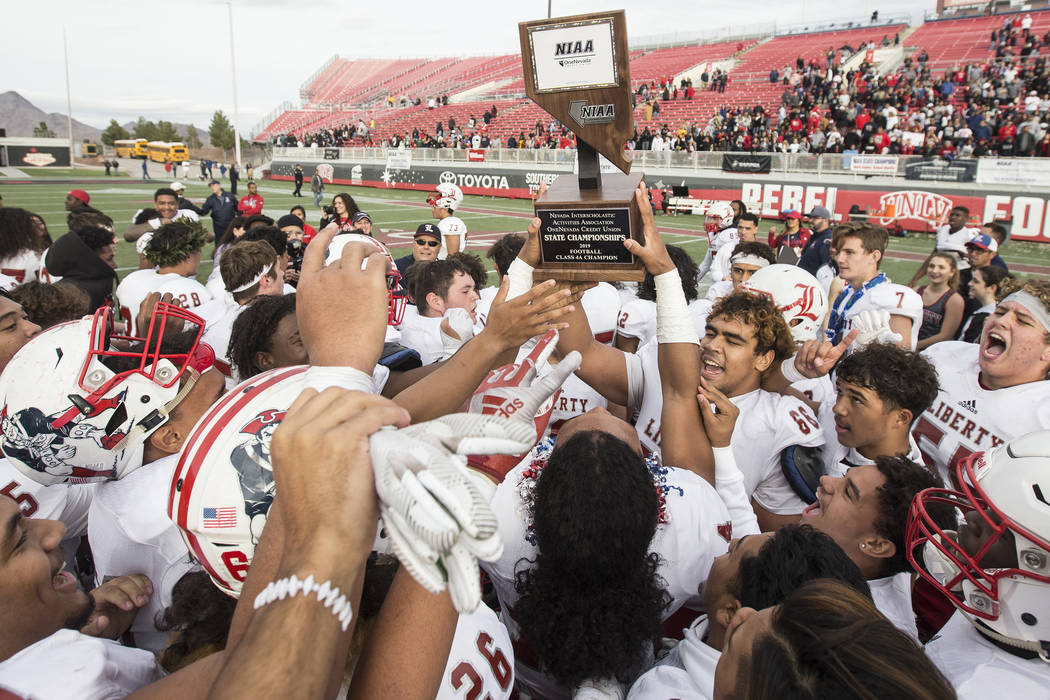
column 25, row 501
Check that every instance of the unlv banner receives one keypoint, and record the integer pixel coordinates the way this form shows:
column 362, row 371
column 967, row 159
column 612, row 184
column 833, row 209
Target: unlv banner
column 746, row 163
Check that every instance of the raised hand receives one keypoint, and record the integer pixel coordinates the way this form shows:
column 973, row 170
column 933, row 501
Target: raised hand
column 654, row 253
column 817, row 358
column 341, row 306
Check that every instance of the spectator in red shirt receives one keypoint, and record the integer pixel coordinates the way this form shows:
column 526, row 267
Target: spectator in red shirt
column 252, row 203
column 862, row 119
column 1007, row 131
column 794, row 236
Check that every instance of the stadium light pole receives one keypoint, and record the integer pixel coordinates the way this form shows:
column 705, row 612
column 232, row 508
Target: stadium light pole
column 69, row 102
column 233, row 74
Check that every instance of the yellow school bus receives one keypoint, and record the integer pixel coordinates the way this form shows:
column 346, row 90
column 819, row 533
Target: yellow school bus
column 131, row 148
column 161, row 151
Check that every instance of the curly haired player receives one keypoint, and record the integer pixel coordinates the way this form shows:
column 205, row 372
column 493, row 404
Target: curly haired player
column 175, row 252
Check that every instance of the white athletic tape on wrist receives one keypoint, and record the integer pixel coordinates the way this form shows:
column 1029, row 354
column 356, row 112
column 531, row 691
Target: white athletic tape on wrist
column 520, row 276
column 787, row 368
column 673, row 322
column 321, row 378
column 1033, row 305
column 291, row 586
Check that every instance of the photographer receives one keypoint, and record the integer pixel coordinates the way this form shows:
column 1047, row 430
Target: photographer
column 293, row 226
column 341, row 213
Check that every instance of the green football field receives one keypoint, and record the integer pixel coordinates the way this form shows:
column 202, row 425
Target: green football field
column 397, row 213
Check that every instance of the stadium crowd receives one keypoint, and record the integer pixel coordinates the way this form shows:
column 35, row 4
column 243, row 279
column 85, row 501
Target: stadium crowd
column 808, row 482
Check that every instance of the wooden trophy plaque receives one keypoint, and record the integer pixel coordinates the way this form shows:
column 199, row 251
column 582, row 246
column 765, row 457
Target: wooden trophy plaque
column 576, row 68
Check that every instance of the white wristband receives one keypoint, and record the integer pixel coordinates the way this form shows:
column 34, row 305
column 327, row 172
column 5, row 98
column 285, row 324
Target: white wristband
column 520, row 274
column 673, row 322
column 790, row 372
column 291, row 586
column 321, row 378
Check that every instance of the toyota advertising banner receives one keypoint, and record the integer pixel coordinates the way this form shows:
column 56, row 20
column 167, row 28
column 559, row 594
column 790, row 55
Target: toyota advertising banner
column 916, row 205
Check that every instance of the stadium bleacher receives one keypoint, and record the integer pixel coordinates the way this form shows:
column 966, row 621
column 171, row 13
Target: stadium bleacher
column 346, row 90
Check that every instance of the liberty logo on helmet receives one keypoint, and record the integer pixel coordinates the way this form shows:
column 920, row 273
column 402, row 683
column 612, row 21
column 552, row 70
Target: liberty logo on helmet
column 251, row 461
column 48, row 443
column 804, row 302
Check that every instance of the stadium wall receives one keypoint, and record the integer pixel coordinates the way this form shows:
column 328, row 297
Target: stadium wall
column 917, row 205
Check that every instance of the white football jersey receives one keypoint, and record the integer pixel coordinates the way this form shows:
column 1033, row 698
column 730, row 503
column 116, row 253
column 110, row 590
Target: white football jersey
column 68, row 503
column 688, row 670
column 892, row 597
column 601, row 304
column 976, row 668
column 720, row 239
column 69, row 664
column 131, row 533
column 423, row 334
column 956, row 242
column 887, row 296
column 485, row 298
column 481, row 660
column 694, row 529
column 722, row 264
column 718, row 290
column 42, row 274
column 22, row 267
column 967, row 418
column 452, row 226
column 638, row 319
column 217, row 333
column 768, row 424
column 186, row 292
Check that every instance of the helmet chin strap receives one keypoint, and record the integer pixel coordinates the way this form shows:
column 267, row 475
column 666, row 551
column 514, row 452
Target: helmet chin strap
column 1041, row 649
column 153, row 419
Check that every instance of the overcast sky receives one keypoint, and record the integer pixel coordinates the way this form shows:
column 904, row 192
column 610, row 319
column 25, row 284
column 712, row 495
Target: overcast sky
column 171, row 60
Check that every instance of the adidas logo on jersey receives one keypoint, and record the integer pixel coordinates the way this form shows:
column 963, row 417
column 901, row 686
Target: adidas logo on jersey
column 970, row 405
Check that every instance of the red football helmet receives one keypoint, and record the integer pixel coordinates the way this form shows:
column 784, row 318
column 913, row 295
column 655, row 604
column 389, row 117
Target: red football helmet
column 395, row 291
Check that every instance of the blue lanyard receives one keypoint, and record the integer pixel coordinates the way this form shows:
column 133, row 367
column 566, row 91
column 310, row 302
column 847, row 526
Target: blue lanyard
column 838, row 318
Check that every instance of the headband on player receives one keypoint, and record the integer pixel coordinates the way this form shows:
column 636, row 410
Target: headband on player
column 1035, row 307
column 255, row 280
column 755, row 260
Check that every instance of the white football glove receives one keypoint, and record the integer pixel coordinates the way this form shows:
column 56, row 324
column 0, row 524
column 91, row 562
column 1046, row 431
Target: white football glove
column 438, row 520
column 873, row 326
column 457, row 321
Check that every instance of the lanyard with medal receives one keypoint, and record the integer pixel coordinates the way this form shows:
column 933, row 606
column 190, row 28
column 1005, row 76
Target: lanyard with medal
column 838, row 318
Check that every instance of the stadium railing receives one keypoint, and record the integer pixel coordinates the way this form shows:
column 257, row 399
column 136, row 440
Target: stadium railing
column 823, row 164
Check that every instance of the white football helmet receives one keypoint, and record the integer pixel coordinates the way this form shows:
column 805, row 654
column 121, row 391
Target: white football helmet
column 798, row 295
column 1005, row 498
column 80, row 401
column 223, row 486
column 719, row 216
column 395, row 290
column 448, row 196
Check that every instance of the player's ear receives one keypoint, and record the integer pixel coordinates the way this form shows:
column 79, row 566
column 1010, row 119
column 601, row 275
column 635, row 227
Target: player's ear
column 725, row 609
column 435, row 302
column 263, row 360
column 764, row 360
column 877, row 546
column 167, row 439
